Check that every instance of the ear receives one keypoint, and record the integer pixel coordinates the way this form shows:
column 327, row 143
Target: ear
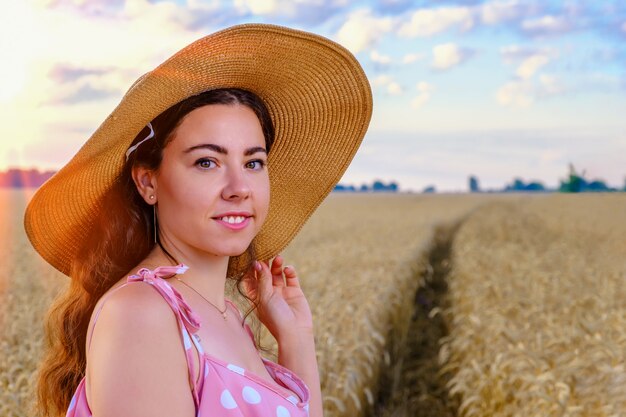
column 145, row 180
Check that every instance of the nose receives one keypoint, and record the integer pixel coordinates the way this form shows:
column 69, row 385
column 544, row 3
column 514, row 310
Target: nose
column 236, row 187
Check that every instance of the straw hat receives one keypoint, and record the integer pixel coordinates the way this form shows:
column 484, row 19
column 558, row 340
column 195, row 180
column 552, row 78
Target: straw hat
column 318, row 97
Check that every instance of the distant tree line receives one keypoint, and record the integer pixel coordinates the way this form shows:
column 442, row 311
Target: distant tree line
column 574, row 183
column 376, row 186
column 20, row 178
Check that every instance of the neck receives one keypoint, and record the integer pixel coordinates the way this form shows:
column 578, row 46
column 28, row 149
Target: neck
column 206, row 273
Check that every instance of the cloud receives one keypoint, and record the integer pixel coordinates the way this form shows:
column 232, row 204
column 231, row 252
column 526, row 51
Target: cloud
column 84, row 93
column 523, row 93
column 515, row 94
column 529, row 59
column 72, row 84
column 530, row 65
column 310, row 12
column 393, row 6
column 190, row 14
column 511, row 53
column 428, row 22
column 203, row 15
column 394, row 89
column 362, row 30
column 424, row 92
column 63, row 73
column 172, row 15
column 388, row 85
column 547, row 25
column 258, row 6
column 87, row 7
column 411, row 57
column 448, row 55
column 381, row 80
column 496, row 12
column 86, row 61
column 380, row 59
column 514, row 54
column 550, row 85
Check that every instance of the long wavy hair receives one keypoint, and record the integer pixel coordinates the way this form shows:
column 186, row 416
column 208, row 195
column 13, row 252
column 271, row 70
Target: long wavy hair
column 120, row 238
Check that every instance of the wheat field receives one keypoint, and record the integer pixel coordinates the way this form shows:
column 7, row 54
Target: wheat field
column 538, row 308
column 420, row 304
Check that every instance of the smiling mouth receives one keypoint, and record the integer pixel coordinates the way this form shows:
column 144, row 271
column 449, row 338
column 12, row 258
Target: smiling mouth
column 233, row 219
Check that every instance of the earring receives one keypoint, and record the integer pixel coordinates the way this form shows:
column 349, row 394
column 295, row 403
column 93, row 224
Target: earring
column 154, row 224
column 151, row 197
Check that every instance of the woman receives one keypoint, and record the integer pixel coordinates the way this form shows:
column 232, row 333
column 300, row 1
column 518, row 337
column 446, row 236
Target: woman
column 172, row 193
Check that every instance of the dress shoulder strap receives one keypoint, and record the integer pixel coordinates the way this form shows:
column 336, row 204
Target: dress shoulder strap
column 188, row 321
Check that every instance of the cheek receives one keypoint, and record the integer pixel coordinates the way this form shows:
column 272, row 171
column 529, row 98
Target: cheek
column 183, row 194
column 263, row 196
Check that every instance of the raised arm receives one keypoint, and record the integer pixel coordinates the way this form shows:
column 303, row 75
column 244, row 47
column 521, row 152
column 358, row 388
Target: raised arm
column 285, row 311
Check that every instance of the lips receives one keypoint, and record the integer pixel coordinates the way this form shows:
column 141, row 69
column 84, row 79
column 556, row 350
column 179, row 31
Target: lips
column 233, row 214
column 233, row 220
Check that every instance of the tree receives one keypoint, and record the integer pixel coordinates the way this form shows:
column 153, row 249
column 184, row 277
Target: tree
column 598, row 185
column 535, row 186
column 575, row 183
column 473, row 184
column 519, row 185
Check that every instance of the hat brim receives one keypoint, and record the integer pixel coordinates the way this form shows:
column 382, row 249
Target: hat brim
column 318, row 97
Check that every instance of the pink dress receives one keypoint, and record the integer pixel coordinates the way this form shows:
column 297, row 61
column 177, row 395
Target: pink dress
column 223, row 388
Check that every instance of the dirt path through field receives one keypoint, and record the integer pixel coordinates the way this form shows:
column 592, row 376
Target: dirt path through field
column 416, row 386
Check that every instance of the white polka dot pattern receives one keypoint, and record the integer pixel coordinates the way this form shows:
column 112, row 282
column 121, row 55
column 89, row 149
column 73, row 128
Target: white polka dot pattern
column 250, row 395
column 293, row 399
column 227, row 400
column 282, row 412
column 235, row 368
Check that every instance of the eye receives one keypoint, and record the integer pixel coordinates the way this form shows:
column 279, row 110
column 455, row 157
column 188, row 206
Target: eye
column 259, row 164
column 204, row 163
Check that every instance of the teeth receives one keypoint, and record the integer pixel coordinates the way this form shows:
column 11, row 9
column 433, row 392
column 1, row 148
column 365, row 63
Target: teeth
column 233, row 219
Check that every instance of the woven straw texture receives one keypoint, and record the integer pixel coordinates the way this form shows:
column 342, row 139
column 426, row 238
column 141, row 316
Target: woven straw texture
column 319, row 99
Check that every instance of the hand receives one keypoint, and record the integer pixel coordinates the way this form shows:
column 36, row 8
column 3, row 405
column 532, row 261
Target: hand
column 283, row 308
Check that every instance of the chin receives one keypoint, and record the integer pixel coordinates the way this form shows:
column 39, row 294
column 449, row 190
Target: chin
column 225, row 245
column 234, row 250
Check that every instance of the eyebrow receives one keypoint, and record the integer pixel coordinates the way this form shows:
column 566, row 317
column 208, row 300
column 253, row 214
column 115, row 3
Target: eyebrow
column 220, row 149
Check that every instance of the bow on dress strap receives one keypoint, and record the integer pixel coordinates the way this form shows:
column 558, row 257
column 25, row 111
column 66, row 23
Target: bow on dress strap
column 171, row 295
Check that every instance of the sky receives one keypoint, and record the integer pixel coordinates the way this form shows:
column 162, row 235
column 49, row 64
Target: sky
column 498, row 89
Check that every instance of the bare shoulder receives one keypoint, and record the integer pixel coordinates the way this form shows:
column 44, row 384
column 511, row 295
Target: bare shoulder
column 136, row 363
column 136, row 307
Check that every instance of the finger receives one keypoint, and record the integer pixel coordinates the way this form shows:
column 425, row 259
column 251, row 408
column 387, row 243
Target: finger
column 265, row 279
column 277, row 263
column 277, row 272
column 291, row 276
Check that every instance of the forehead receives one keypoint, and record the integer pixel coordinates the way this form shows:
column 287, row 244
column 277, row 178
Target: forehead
column 231, row 126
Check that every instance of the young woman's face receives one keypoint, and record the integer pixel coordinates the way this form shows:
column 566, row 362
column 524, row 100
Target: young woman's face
column 213, row 187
